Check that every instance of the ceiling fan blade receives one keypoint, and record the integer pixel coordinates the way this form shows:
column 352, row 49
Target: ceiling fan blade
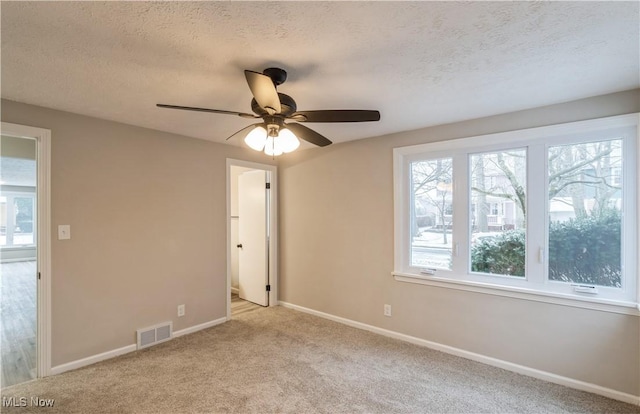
column 337, row 115
column 264, row 91
column 215, row 111
column 245, row 129
column 308, row 135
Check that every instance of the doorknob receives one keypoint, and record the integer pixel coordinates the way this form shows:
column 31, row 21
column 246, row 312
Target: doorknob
column 239, row 246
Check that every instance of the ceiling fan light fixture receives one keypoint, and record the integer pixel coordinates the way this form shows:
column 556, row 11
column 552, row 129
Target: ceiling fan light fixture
column 274, row 135
column 273, row 143
column 257, row 138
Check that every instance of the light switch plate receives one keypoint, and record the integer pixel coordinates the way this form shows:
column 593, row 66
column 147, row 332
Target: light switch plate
column 64, row 232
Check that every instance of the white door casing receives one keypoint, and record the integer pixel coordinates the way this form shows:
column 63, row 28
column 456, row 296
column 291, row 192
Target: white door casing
column 273, row 225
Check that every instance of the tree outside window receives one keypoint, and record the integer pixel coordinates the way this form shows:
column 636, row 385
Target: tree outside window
column 432, row 217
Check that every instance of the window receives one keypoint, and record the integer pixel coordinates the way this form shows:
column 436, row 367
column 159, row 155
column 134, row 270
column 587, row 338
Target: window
column 432, row 214
column 17, row 219
column 498, row 178
column 585, row 213
column 17, row 201
column 547, row 211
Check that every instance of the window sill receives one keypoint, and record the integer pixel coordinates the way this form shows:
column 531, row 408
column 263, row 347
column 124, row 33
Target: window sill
column 625, row 308
column 18, row 247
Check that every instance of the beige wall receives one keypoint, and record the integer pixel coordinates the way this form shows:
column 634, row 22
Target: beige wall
column 336, row 256
column 148, row 222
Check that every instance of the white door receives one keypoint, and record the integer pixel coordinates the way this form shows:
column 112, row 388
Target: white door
column 253, row 275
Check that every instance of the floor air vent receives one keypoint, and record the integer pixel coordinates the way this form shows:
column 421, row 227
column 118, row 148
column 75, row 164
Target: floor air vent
column 154, row 334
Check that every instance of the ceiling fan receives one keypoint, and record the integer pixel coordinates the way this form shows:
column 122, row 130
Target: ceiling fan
column 275, row 134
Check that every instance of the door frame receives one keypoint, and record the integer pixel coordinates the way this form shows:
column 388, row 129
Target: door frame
column 43, row 247
column 273, row 225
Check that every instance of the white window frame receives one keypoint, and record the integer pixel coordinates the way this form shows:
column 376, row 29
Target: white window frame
column 535, row 285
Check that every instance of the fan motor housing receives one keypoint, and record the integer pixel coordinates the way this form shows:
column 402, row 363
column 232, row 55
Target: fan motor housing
column 287, row 104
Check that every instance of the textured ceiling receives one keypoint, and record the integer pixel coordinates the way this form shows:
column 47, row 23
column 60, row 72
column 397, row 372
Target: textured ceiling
column 419, row 63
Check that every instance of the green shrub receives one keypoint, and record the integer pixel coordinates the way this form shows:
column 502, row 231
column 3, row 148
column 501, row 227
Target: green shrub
column 587, row 250
column 584, row 250
column 503, row 254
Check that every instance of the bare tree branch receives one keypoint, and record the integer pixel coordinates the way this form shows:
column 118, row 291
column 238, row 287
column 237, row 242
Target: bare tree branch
column 578, row 165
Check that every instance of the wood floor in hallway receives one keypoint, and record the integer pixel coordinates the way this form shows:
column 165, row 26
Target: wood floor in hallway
column 239, row 306
column 18, row 313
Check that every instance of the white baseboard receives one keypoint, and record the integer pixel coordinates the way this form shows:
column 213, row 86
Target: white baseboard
column 509, row 366
column 200, row 327
column 59, row 369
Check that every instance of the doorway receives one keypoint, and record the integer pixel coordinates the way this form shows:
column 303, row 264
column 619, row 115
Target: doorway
column 251, row 236
column 24, row 254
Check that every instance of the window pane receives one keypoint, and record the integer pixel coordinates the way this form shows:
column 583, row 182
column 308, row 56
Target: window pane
column 498, row 212
column 432, row 213
column 585, row 202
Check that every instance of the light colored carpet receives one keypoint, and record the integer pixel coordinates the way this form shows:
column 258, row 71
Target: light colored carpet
column 276, row 360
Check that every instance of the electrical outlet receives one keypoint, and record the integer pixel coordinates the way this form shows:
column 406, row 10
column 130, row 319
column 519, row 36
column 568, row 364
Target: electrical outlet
column 387, row 310
column 181, row 310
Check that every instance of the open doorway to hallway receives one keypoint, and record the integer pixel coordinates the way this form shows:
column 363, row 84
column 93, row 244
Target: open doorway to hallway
column 18, row 260
column 252, row 236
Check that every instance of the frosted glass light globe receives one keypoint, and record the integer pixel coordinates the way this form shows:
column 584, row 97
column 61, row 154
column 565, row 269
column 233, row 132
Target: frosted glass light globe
column 257, row 138
column 287, row 140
